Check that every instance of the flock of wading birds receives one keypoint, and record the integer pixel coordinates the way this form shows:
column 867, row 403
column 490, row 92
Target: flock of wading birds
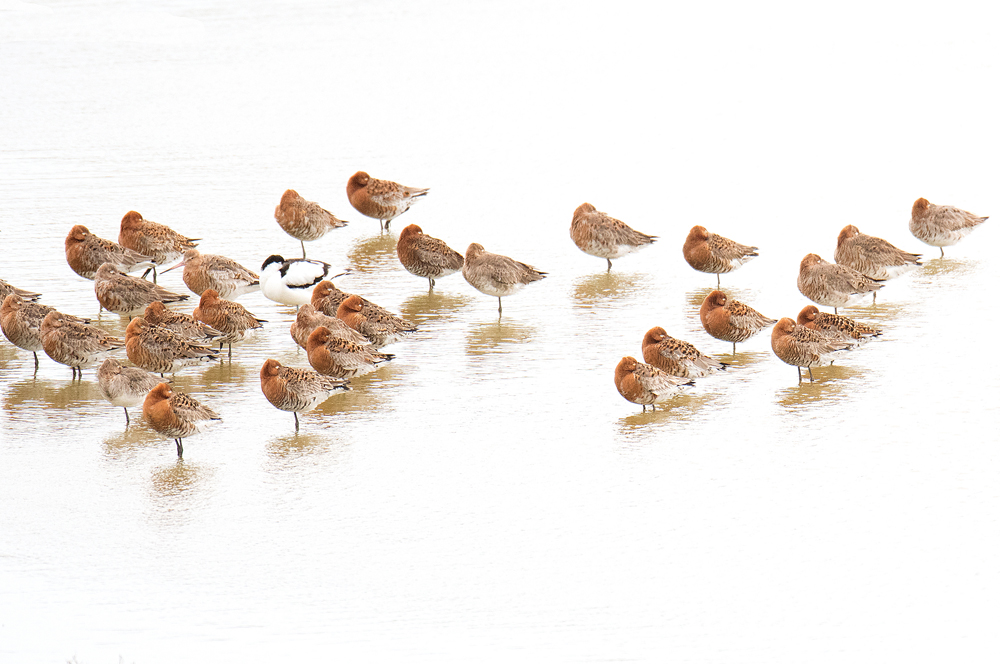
column 343, row 334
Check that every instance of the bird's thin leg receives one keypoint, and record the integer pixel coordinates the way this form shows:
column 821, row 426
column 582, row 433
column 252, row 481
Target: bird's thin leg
column 221, row 344
column 303, row 248
column 734, row 348
column 230, row 351
column 154, row 274
column 126, row 415
column 652, row 407
column 431, row 282
column 835, row 311
column 874, row 295
column 798, row 370
column 180, row 448
column 942, row 251
column 36, row 360
column 609, row 265
column 500, row 308
column 296, row 421
column 810, row 374
column 718, row 280
column 644, row 408
column 148, row 270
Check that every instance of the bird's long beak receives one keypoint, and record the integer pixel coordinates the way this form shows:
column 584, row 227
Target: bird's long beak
column 181, row 264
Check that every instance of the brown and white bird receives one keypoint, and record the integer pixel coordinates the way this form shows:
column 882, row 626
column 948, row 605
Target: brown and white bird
column 837, row 327
column 124, row 386
column 6, row 289
column 230, row 318
column 731, row 320
column 308, row 319
column 326, row 298
column 304, row 220
column 426, row 256
column 296, row 390
column 156, row 314
column 799, row 346
column 121, row 294
column 75, row 344
column 21, row 322
column 872, row 256
column 941, row 225
column 646, row 385
column 377, row 325
column 708, row 252
column 495, row 274
column 332, row 356
column 161, row 350
column 223, row 275
column 381, row 199
column 676, row 357
column 601, row 235
column 85, row 253
column 176, row 415
column 161, row 243
column 833, row 285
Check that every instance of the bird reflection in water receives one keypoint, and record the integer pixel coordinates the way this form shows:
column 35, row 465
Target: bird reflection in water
column 604, row 288
column 285, row 451
column 832, row 383
column 680, row 408
column 498, row 337
column 62, row 395
column 125, row 444
column 178, row 479
column 369, row 393
column 931, row 272
column 434, row 305
column 374, row 253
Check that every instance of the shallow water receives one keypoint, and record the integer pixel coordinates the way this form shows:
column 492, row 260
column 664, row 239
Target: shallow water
column 488, row 495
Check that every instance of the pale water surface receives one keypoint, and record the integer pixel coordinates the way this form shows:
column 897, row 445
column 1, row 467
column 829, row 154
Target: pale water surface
column 489, row 496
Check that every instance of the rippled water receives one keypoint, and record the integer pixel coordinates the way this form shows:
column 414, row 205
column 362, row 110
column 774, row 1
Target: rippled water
column 488, row 495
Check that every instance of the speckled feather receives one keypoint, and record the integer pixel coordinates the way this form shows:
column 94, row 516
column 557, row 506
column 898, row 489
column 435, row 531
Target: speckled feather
column 677, row 357
column 599, row 234
column 230, row 318
column 332, row 356
column 832, row 285
column 797, row 345
column 184, row 324
column 296, row 390
column 377, row 325
column 21, row 321
column 644, row 384
column 731, row 320
column 308, row 319
column 872, row 256
column 426, row 256
column 836, row 326
column 304, row 220
column 85, row 253
column 941, row 225
column 161, row 350
column 122, row 294
column 161, row 243
column 715, row 254
column 495, row 274
column 73, row 343
column 381, row 199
